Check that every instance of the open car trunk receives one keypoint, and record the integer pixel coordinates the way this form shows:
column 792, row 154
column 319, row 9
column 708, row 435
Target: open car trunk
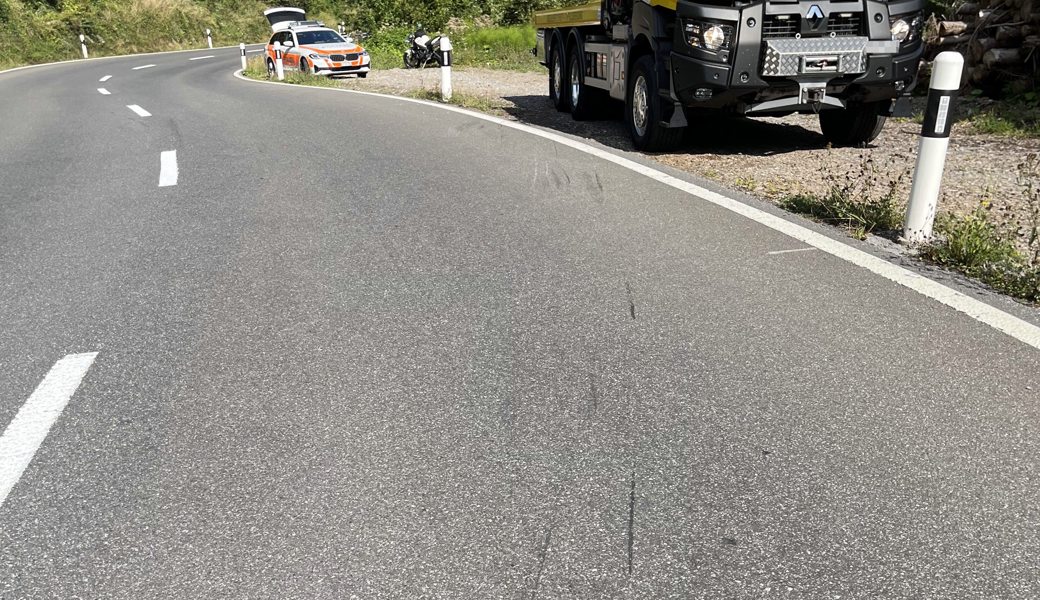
column 280, row 17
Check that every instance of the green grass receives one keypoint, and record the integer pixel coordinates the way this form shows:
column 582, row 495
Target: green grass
column 1008, row 120
column 480, row 103
column 474, row 46
column 972, row 244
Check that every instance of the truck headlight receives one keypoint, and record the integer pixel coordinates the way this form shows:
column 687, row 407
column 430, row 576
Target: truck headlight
column 900, row 30
column 712, row 37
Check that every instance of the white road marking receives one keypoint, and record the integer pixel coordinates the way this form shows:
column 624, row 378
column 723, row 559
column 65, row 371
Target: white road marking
column 30, row 426
column 105, row 78
column 790, row 251
column 142, row 67
column 104, row 92
column 201, row 57
column 140, row 111
column 252, row 51
column 1021, row 330
column 168, row 168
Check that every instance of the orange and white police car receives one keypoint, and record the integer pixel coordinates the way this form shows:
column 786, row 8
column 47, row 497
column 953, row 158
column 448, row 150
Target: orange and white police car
column 311, row 47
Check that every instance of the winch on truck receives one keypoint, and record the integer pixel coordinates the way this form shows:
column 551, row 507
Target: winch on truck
column 850, row 61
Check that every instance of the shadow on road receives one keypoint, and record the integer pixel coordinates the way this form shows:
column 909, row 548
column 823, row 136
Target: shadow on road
column 707, row 134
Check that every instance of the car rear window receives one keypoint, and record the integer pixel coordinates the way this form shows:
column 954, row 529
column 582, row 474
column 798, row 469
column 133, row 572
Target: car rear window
column 318, row 37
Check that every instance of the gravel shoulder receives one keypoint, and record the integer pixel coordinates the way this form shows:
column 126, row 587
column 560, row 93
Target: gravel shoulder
column 768, row 157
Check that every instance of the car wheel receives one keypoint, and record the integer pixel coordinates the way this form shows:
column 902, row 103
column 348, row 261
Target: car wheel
column 270, row 69
column 362, row 75
column 305, row 67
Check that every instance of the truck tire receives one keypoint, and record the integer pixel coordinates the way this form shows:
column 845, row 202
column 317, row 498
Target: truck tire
column 643, row 110
column 584, row 101
column 856, row 125
column 557, row 88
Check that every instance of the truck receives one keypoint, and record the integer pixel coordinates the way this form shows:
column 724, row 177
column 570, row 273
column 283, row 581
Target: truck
column 674, row 62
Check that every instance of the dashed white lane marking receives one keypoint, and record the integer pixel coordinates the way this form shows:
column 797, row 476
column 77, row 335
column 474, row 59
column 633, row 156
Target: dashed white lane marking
column 105, row 78
column 142, row 67
column 1021, row 330
column 168, row 168
column 30, row 426
column 103, row 91
column 790, row 251
column 140, row 111
column 201, row 57
column 252, row 51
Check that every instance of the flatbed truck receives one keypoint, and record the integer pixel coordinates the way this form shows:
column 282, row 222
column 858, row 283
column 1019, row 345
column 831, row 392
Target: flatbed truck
column 673, row 62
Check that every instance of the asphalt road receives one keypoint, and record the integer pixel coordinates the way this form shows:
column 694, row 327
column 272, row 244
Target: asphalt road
column 368, row 348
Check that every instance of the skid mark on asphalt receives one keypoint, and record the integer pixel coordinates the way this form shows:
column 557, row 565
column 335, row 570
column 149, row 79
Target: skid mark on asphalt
column 30, row 426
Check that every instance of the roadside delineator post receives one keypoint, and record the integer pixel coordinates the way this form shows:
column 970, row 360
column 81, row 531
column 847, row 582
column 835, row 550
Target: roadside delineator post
column 445, row 69
column 83, row 45
column 342, row 28
column 242, row 52
column 209, row 38
column 931, row 152
column 279, row 68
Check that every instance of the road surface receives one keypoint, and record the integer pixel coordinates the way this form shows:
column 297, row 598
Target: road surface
column 274, row 342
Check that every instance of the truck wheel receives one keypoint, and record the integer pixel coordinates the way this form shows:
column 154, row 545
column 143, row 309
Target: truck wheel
column 584, row 100
column 643, row 110
column 857, row 125
column 557, row 89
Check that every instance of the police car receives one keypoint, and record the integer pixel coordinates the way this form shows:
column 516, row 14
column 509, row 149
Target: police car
column 311, row 47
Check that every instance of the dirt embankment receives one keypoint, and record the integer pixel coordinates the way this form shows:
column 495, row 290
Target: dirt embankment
column 770, row 157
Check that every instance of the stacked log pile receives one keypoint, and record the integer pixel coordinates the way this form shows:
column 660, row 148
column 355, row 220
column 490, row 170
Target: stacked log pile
column 999, row 40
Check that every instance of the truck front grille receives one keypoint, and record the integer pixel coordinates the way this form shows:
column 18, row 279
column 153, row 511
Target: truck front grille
column 780, row 26
column 789, row 25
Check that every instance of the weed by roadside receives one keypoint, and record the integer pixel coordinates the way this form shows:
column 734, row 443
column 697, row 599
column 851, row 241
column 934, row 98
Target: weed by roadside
column 479, row 103
column 980, row 247
column 863, row 200
column 1017, row 119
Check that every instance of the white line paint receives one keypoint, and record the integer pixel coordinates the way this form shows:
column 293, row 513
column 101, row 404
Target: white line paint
column 80, row 61
column 104, row 92
column 201, row 57
column 30, row 426
column 142, row 67
column 257, row 50
column 140, row 111
column 168, row 168
column 790, row 251
column 1007, row 323
column 105, row 78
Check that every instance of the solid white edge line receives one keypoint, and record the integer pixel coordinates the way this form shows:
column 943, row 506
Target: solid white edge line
column 201, row 57
column 252, row 51
column 168, row 168
column 140, row 111
column 142, row 67
column 104, row 92
column 774, row 252
column 24, row 435
column 97, row 58
column 105, row 78
column 1009, row 324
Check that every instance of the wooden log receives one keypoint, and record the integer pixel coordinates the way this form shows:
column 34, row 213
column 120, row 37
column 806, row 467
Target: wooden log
column 980, row 46
column 953, row 40
column 968, row 8
column 1031, row 41
column 948, row 28
column 979, row 74
column 1002, row 56
column 1008, row 35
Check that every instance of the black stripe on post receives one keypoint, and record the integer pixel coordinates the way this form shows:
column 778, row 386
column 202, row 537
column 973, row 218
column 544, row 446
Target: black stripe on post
column 446, row 59
column 938, row 115
column 278, row 55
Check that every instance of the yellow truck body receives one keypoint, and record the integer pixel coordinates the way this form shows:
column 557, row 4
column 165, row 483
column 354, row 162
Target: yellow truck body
column 582, row 15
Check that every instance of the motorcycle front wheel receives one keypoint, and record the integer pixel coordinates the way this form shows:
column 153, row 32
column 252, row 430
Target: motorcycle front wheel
column 410, row 61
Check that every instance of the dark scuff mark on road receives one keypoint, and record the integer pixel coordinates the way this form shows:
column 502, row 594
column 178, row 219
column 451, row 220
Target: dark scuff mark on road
column 631, row 302
column 542, row 554
column 631, row 522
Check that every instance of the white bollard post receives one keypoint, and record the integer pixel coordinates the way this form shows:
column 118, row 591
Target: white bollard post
column 279, row 68
column 931, row 152
column 445, row 69
column 342, row 28
column 209, row 38
column 83, row 45
column 242, row 51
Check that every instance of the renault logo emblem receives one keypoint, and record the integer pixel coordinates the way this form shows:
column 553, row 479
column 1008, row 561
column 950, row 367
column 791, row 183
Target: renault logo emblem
column 815, row 14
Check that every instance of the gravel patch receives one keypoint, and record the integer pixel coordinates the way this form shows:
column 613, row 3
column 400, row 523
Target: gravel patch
column 769, row 157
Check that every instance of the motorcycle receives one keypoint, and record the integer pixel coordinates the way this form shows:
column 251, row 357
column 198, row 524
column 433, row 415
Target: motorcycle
column 422, row 50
